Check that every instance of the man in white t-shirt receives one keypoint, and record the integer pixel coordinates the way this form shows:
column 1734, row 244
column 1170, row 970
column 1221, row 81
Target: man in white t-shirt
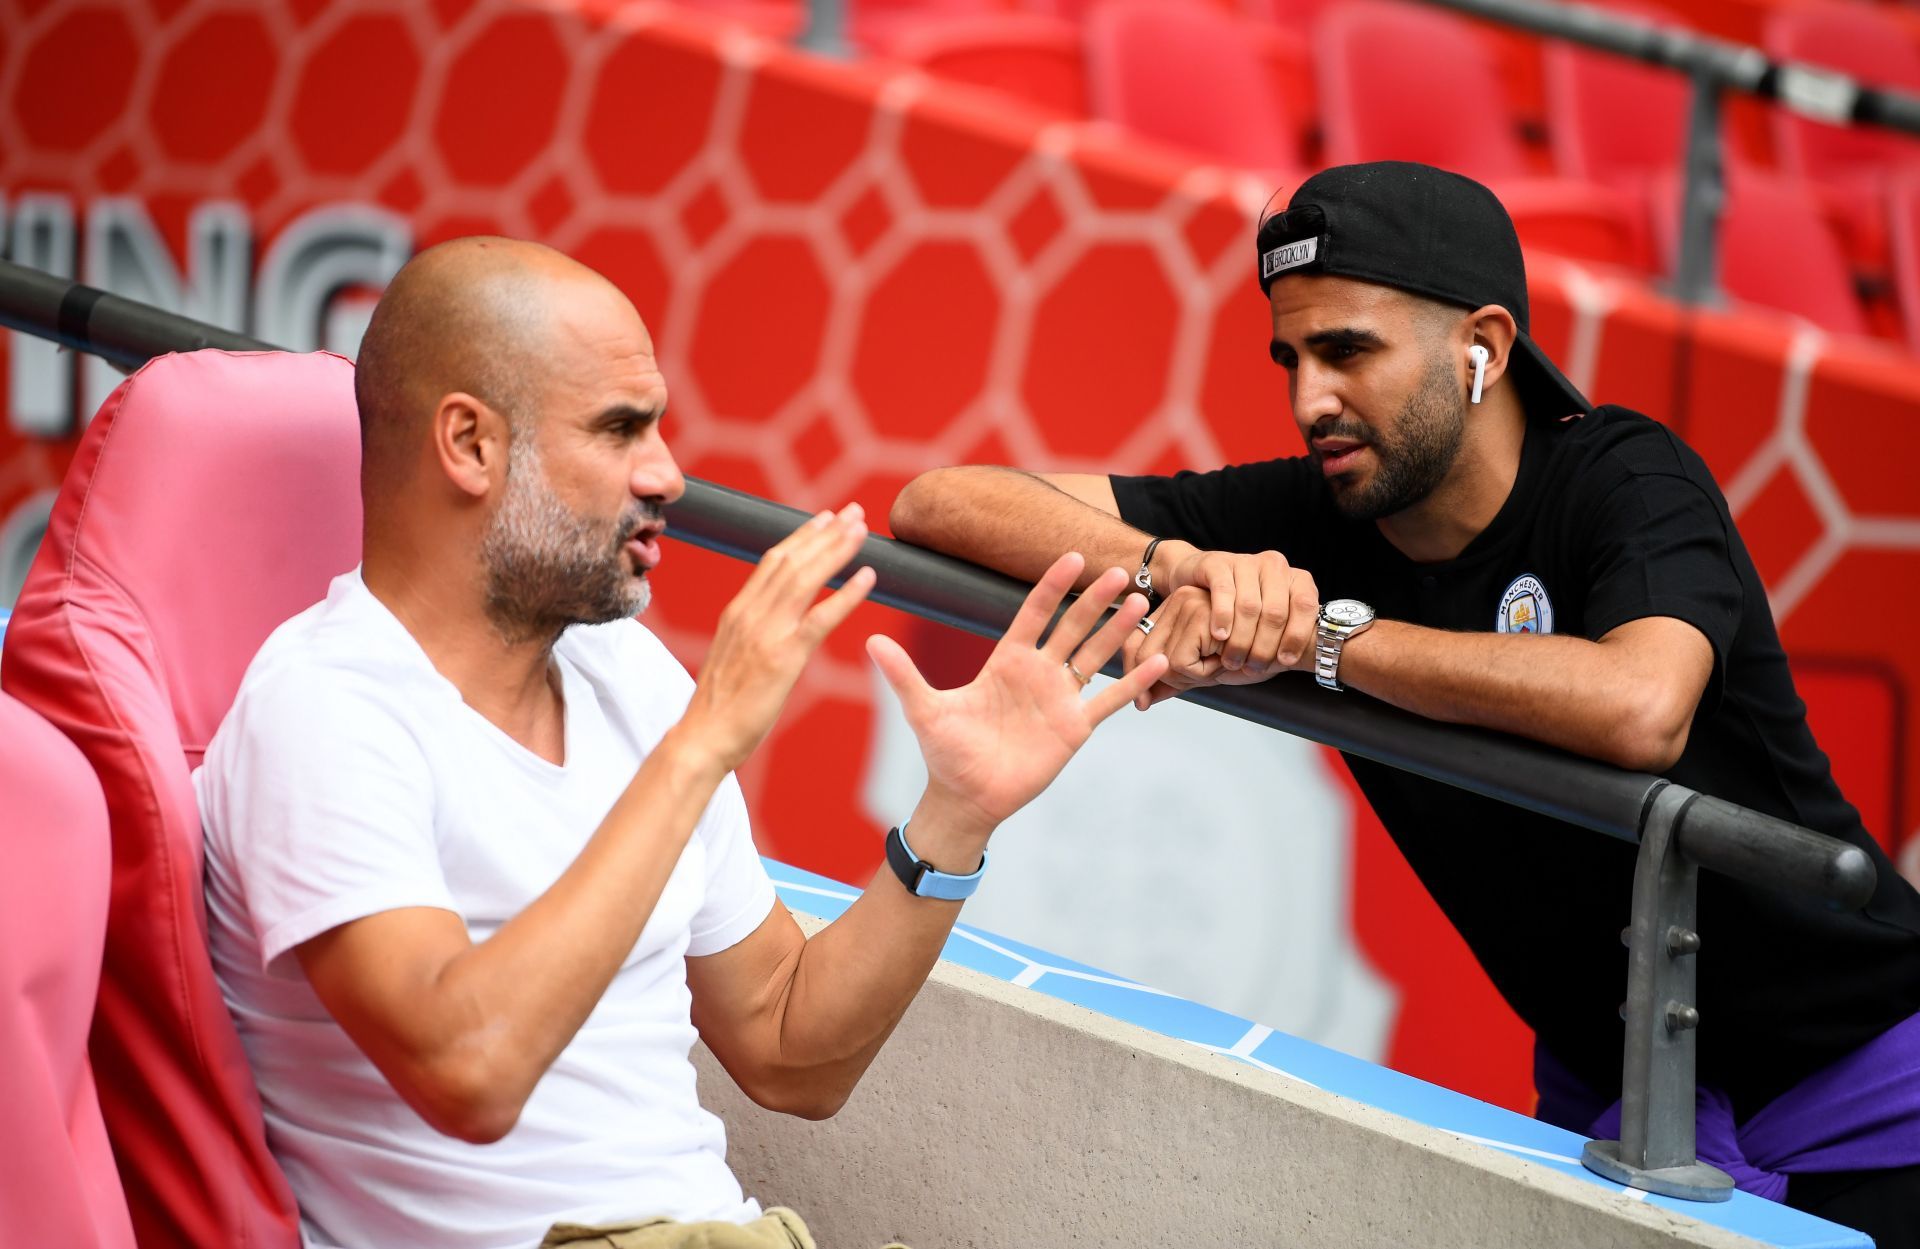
column 478, row 869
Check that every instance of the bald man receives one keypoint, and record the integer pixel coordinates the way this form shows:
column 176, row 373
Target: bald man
column 478, row 869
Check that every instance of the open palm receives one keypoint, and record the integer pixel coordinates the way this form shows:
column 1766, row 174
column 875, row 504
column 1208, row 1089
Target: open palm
column 996, row 742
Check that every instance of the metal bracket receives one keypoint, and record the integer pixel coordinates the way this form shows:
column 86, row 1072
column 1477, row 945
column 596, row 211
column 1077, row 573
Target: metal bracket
column 1655, row 1151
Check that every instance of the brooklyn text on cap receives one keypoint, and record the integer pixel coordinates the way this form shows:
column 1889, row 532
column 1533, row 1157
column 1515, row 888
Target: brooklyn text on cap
column 1421, row 230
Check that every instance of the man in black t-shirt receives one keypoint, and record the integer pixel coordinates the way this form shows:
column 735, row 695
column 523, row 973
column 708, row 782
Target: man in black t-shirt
column 1471, row 540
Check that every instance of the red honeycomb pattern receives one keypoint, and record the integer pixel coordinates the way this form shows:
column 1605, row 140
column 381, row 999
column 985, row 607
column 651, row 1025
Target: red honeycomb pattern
column 855, row 274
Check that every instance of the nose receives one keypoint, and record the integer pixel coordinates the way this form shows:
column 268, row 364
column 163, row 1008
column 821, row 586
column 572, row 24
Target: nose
column 656, row 474
column 1315, row 394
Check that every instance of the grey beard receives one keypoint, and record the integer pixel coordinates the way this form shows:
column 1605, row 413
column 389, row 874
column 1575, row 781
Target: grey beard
column 549, row 568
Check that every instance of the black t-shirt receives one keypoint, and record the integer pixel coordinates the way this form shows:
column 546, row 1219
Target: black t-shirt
column 1611, row 519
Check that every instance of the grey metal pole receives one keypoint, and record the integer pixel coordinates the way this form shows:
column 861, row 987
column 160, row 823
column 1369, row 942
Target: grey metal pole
column 826, row 32
column 1655, row 1151
column 1703, row 195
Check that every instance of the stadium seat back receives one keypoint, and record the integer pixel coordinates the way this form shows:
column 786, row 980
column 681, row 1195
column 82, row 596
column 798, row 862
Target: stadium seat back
column 1615, row 121
column 214, row 495
column 881, row 25
column 58, row 1183
column 1398, row 82
column 1033, row 58
column 1191, row 76
column 1776, row 249
column 1903, row 228
column 1872, row 47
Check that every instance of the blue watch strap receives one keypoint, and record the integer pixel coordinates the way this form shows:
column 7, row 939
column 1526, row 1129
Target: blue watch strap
column 923, row 879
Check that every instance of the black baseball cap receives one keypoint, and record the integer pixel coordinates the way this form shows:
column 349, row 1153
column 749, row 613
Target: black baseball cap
column 1422, row 230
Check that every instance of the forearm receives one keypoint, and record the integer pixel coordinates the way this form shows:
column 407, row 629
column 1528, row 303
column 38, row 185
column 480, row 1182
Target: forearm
column 1579, row 695
column 1012, row 521
column 852, row 982
column 497, row 1015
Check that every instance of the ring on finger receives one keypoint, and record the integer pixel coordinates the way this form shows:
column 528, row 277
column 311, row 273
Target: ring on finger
column 1076, row 674
column 1145, row 624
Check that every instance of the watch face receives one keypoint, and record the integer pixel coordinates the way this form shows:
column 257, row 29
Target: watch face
column 1347, row 612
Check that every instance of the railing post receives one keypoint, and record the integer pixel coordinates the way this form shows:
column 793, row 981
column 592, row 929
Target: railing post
column 826, row 32
column 1703, row 194
column 1655, row 1151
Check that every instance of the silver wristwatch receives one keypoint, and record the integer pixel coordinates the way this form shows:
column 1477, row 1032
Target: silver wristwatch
column 1341, row 619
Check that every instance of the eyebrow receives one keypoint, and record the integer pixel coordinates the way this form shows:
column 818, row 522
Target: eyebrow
column 625, row 414
column 1345, row 338
column 1342, row 337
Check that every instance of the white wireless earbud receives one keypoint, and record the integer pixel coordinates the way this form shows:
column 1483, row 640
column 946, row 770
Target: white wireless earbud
column 1478, row 355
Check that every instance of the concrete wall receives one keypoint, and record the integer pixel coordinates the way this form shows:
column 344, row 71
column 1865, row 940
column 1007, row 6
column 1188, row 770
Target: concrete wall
column 999, row 1117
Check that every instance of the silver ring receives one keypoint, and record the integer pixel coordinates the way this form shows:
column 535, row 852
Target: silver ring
column 1075, row 673
column 1145, row 624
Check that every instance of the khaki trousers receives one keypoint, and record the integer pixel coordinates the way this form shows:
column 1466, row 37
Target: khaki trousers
column 778, row 1228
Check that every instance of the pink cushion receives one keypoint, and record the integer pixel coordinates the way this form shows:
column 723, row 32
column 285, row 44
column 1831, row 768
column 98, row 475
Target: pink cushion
column 214, row 496
column 58, row 1184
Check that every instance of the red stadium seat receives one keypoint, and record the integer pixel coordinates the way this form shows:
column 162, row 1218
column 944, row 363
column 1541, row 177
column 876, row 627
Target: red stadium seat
column 58, row 1185
column 1192, row 77
column 1383, row 66
column 214, row 496
column 1849, row 165
column 1400, row 82
column 1865, row 44
column 1036, row 59
column 1776, row 249
column 1903, row 213
column 1613, row 120
column 1078, row 10
column 776, row 19
column 881, row 25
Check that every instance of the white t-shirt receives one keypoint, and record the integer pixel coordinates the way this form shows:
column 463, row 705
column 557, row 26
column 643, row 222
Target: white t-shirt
column 350, row 778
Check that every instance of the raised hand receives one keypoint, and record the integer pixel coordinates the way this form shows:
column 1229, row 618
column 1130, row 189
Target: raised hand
column 993, row 744
column 770, row 630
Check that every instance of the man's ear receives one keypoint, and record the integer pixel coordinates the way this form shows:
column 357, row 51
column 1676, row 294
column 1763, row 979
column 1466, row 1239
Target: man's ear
column 470, row 441
column 1494, row 328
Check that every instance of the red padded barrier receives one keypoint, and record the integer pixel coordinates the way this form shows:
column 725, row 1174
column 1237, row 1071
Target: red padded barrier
column 213, row 496
column 58, row 1183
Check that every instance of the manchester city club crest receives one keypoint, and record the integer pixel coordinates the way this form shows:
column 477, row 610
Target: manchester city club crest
column 1525, row 607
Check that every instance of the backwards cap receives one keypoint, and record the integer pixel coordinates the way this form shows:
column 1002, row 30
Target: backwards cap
column 1421, row 230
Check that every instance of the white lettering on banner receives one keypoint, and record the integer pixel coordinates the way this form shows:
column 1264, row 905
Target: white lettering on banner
column 39, row 373
column 1291, row 256
column 124, row 254
column 331, row 255
column 328, row 251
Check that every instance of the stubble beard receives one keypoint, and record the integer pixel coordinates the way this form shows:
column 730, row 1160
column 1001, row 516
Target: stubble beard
column 548, row 567
column 1413, row 463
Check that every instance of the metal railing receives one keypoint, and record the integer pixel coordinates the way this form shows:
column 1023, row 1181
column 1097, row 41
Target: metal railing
column 1677, row 829
column 1714, row 67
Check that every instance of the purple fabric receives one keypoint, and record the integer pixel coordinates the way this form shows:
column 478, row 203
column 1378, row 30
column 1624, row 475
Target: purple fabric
column 1861, row 1113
